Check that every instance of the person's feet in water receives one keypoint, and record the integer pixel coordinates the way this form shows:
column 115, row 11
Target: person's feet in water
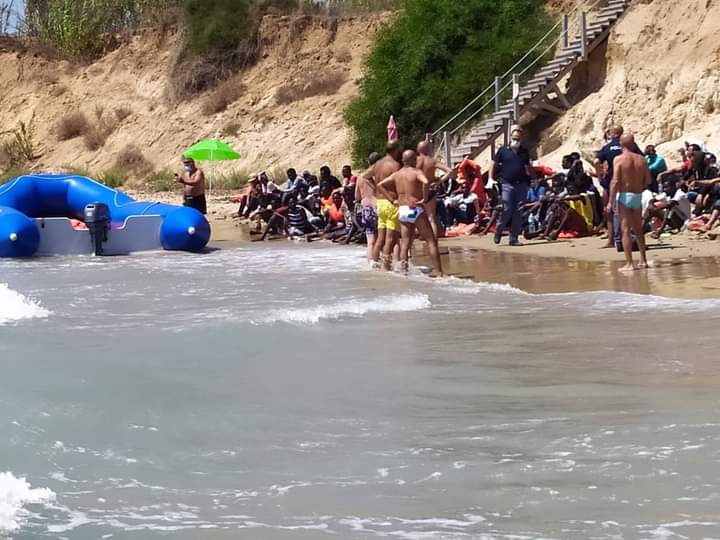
column 628, row 268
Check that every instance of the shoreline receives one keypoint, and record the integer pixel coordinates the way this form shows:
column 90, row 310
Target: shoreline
column 685, row 265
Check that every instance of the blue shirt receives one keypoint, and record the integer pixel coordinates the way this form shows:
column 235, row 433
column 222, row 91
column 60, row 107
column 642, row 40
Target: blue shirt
column 608, row 154
column 535, row 194
column 511, row 166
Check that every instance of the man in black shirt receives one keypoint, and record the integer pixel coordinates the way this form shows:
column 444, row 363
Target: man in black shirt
column 512, row 167
column 328, row 182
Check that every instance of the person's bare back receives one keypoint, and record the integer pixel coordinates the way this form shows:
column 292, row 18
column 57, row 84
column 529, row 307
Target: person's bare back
column 428, row 164
column 384, row 168
column 366, row 191
column 410, row 184
column 632, row 172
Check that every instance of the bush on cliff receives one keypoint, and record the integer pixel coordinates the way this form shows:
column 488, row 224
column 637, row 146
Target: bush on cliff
column 433, row 59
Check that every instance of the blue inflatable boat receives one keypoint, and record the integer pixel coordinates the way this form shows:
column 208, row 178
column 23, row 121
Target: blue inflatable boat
column 65, row 214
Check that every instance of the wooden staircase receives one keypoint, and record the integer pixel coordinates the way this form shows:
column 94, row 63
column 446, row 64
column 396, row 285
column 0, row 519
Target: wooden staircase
column 501, row 111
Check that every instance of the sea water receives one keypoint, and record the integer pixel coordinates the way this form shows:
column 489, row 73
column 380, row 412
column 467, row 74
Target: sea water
column 287, row 392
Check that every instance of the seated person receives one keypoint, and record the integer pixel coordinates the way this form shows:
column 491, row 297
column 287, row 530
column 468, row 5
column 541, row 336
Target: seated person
column 656, row 164
column 334, row 216
column 291, row 219
column 462, row 207
column 537, row 190
column 672, row 209
column 250, row 198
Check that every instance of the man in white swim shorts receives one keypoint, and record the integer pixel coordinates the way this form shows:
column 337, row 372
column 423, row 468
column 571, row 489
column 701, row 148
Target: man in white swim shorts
column 411, row 186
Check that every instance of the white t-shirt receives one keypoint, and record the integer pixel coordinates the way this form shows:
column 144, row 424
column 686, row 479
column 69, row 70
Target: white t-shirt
column 683, row 206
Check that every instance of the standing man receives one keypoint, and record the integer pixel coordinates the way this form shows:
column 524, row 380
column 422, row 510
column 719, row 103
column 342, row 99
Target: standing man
column 387, row 214
column 428, row 165
column 193, row 180
column 512, row 166
column 411, row 185
column 631, row 177
column 366, row 195
column 349, row 179
column 606, row 158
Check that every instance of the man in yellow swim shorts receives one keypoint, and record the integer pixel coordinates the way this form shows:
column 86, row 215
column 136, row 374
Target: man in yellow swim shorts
column 388, row 222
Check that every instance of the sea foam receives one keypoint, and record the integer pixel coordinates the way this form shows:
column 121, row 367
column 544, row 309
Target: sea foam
column 351, row 308
column 15, row 493
column 15, row 306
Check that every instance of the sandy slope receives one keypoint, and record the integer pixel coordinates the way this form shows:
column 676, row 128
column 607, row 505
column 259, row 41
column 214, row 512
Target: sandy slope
column 662, row 81
column 306, row 133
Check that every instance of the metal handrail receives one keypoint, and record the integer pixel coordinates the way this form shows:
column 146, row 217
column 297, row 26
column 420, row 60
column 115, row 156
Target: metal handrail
column 510, row 71
column 493, row 83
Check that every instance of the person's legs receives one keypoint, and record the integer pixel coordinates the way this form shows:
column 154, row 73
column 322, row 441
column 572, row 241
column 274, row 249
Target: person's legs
column 508, row 193
column 444, row 212
column 391, row 241
column 518, row 201
column 431, row 210
column 713, row 219
column 636, row 226
column 407, row 234
column 609, row 220
column 425, row 231
column 626, row 226
column 379, row 245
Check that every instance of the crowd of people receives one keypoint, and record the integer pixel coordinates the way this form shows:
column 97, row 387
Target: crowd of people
column 624, row 193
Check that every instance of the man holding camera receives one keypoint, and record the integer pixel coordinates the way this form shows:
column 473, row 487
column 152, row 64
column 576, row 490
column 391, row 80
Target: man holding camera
column 193, row 180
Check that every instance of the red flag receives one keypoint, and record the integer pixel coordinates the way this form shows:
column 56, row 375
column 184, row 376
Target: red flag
column 392, row 131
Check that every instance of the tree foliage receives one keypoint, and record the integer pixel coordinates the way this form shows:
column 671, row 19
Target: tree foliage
column 433, row 59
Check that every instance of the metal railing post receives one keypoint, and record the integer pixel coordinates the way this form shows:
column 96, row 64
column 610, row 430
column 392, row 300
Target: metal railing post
column 498, row 90
column 583, row 36
column 516, row 97
column 506, row 131
column 564, row 32
column 448, row 149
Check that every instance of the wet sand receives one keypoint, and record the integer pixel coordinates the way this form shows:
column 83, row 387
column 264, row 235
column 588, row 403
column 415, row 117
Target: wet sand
column 684, row 267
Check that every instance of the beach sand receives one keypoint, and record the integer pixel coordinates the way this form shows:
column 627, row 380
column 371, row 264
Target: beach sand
column 684, row 266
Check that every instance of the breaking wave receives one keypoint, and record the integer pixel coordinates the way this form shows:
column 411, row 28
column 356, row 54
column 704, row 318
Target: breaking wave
column 15, row 306
column 351, row 308
column 15, row 494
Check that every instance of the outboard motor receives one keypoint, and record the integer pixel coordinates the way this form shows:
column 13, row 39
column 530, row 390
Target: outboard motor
column 97, row 220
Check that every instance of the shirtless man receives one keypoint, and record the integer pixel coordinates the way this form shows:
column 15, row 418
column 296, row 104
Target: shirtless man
column 411, row 186
column 366, row 195
column 193, row 180
column 428, row 165
column 631, row 177
column 388, row 224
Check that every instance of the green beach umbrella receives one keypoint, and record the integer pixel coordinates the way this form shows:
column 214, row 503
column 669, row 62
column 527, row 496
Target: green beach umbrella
column 211, row 150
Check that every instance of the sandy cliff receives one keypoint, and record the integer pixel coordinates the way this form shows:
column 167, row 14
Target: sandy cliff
column 659, row 77
column 289, row 109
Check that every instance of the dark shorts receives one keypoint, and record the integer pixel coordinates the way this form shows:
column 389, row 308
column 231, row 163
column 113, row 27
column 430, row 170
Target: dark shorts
column 370, row 220
column 198, row 203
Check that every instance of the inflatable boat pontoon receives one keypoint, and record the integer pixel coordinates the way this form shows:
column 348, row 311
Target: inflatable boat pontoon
column 65, row 214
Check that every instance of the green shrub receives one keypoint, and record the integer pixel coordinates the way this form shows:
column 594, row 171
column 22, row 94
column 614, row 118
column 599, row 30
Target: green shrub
column 163, row 180
column 217, row 25
column 18, row 149
column 113, row 178
column 87, row 28
column 433, row 59
column 229, row 181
